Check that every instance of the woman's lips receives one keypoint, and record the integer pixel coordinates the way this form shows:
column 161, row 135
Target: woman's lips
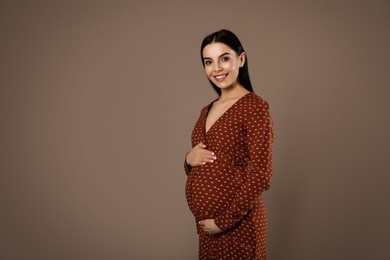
column 221, row 77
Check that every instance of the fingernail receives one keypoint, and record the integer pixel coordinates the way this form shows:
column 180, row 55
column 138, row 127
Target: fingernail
column 215, row 157
column 212, row 153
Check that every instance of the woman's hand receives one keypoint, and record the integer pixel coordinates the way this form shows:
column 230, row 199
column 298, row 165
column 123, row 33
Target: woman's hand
column 209, row 226
column 200, row 156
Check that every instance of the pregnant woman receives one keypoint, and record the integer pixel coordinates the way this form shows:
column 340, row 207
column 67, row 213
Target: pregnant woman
column 230, row 164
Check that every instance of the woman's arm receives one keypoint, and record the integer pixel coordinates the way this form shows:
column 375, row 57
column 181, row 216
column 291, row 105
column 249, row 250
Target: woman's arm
column 259, row 169
column 187, row 166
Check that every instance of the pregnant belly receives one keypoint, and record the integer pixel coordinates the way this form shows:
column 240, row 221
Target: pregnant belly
column 211, row 188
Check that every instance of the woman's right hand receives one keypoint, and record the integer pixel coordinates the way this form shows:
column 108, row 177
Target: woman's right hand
column 200, row 156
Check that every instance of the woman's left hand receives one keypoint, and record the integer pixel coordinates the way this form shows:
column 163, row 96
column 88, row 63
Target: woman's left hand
column 209, row 226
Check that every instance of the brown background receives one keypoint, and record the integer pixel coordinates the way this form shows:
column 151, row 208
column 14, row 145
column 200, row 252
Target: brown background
column 98, row 100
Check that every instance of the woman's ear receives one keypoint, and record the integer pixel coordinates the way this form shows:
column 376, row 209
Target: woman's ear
column 242, row 59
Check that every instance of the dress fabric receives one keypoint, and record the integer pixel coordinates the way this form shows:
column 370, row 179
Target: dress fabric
column 229, row 189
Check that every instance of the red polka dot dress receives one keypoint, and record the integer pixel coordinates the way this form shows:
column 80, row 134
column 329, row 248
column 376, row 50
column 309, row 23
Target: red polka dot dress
column 229, row 189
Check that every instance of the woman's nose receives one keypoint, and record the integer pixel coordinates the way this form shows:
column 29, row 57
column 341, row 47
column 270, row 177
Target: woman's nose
column 217, row 67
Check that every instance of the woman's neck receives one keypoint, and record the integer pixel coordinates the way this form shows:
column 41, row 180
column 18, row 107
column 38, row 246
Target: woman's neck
column 232, row 93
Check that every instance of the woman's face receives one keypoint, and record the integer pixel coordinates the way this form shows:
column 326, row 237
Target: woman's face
column 222, row 64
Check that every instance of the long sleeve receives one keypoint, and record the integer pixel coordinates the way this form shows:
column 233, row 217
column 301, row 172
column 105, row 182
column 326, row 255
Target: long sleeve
column 259, row 169
column 197, row 136
column 187, row 167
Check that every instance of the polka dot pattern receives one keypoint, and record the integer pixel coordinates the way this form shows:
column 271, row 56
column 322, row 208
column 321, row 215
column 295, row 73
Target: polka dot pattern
column 229, row 190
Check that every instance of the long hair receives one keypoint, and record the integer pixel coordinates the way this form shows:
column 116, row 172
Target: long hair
column 230, row 39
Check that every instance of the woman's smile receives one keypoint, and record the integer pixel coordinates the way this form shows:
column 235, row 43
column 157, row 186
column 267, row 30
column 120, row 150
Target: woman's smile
column 220, row 77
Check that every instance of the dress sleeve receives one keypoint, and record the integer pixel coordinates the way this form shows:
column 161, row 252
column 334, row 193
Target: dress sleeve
column 197, row 131
column 187, row 167
column 259, row 169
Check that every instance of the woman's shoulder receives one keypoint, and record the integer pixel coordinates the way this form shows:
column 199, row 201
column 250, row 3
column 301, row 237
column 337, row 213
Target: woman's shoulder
column 256, row 101
column 251, row 99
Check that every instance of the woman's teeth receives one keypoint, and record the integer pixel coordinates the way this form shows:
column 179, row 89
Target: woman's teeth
column 220, row 77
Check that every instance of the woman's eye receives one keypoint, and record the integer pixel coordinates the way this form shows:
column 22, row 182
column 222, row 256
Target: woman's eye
column 225, row 59
column 207, row 62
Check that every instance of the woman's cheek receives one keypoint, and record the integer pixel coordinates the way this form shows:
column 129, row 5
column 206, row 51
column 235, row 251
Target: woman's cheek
column 208, row 71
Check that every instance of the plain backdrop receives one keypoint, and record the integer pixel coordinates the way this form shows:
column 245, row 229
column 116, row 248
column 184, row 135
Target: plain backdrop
column 98, row 100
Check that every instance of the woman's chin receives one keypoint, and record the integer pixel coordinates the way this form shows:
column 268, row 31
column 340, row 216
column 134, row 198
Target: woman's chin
column 224, row 86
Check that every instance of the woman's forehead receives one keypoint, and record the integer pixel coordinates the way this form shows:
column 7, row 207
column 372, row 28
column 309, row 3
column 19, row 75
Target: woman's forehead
column 216, row 49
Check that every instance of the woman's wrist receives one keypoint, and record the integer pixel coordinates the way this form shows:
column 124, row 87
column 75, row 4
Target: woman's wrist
column 186, row 158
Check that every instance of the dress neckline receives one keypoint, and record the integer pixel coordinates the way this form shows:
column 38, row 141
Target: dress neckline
column 222, row 115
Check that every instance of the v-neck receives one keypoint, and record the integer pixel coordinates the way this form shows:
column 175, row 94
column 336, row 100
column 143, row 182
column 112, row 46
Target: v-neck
column 221, row 116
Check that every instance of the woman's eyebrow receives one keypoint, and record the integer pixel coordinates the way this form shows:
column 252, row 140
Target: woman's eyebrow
column 218, row 57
